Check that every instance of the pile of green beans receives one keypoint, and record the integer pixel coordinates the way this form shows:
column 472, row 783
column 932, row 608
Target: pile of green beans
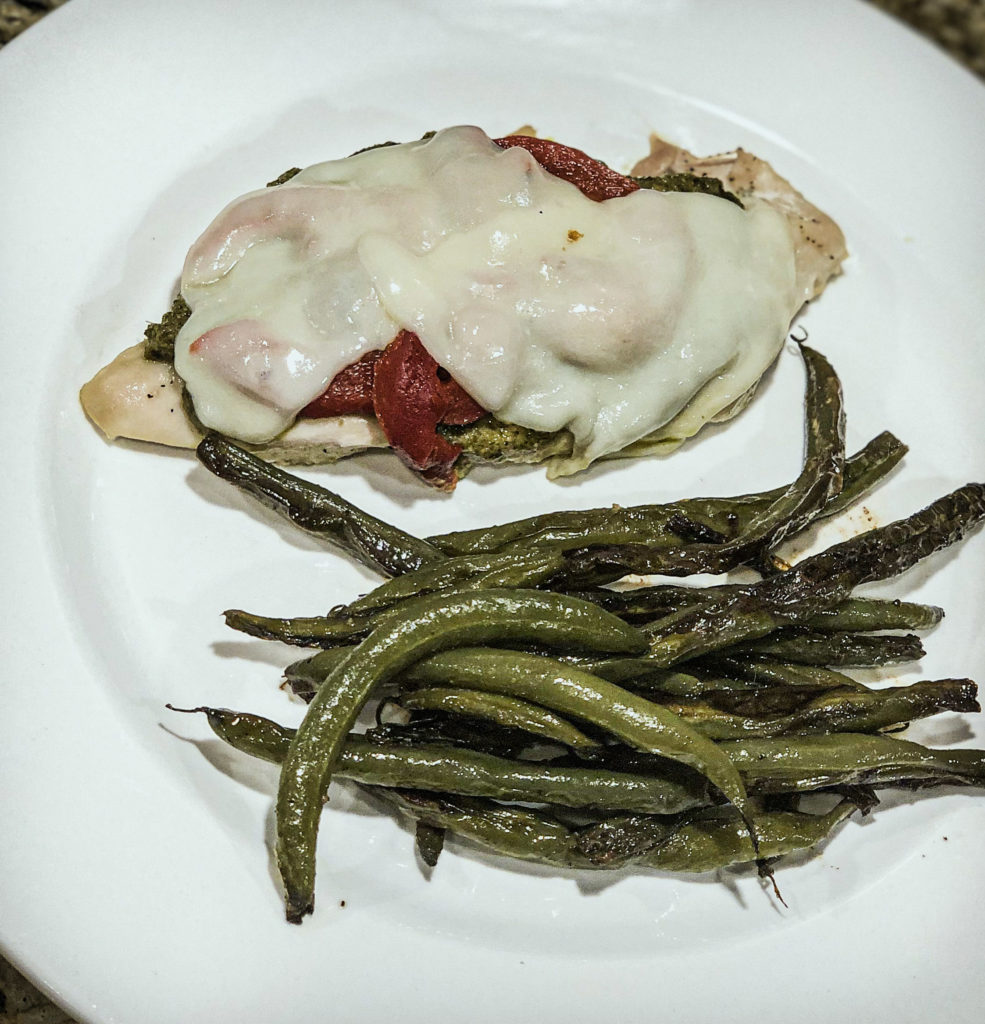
column 526, row 706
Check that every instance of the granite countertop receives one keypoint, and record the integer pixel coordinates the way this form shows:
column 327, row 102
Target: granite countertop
column 958, row 26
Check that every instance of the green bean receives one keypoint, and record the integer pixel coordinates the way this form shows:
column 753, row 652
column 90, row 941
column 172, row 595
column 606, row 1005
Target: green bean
column 837, row 711
column 642, row 604
column 467, row 772
column 302, row 631
column 647, row 523
column 802, row 501
column 800, row 763
column 701, row 841
column 866, row 614
column 643, row 674
column 633, row 719
column 720, row 840
column 306, row 675
column 429, row 841
column 890, row 550
column 821, row 581
column 707, row 843
column 423, row 626
column 252, row 734
column 841, row 649
column 479, row 571
column 863, row 471
column 514, row 832
column 443, row 729
column 824, row 463
column 767, row 672
column 508, row 711
column 758, row 701
column 349, row 623
column 454, row 770
column 668, row 683
column 317, row 510
column 622, row 838
column 859, row 614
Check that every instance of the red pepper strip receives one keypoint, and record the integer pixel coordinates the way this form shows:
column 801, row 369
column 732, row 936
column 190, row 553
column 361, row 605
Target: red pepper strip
column 411, row 396
column 591, row 176
column 351, row 390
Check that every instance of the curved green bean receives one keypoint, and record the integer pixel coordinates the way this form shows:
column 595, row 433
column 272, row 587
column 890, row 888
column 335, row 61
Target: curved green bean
column 508, row 711
column 302, row 631
column 526, row 569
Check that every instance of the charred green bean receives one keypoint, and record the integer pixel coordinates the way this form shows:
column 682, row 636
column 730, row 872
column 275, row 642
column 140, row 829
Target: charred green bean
column 316, row 510
column 705, row 843
column 838, row 711
column 648, row 523
column 836, row 648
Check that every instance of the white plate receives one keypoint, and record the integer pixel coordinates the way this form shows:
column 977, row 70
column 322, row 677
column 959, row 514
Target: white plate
column 136, row 884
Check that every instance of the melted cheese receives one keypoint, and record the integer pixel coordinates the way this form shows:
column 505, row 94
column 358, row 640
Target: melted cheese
column 551, row 310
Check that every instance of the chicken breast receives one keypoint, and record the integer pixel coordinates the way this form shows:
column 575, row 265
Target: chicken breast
column 140, row 399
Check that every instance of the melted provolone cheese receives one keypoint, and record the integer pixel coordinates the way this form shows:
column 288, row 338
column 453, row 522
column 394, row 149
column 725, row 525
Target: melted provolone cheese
column 553, row 311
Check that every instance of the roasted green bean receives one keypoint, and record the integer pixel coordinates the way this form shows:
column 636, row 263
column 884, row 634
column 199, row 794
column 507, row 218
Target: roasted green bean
column 508, row 711
column 818, row 582
column 467, row 772
column 838, row 711
column 487, row 572
column 648, row 523
column 631, row 718
column 302, row 631
column 704, row 843
column 800, row 763
column 866, row 614
column 317, row 510
column 836, row 648
column 767, row 672
column 424, row 626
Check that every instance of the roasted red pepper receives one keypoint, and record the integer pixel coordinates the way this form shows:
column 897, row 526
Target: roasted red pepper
column 591, row 176
column 411, row 396
column 351, row 390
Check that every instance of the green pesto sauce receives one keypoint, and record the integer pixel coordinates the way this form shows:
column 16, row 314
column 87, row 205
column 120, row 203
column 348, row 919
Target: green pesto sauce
column 684, row 181
column 286, row 176
column 159, row 337
column 491, row 440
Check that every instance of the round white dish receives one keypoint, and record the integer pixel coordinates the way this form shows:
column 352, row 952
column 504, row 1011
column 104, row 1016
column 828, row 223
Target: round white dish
column 137, row 886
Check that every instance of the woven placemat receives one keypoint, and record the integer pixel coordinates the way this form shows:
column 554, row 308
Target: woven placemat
column 958, row 26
